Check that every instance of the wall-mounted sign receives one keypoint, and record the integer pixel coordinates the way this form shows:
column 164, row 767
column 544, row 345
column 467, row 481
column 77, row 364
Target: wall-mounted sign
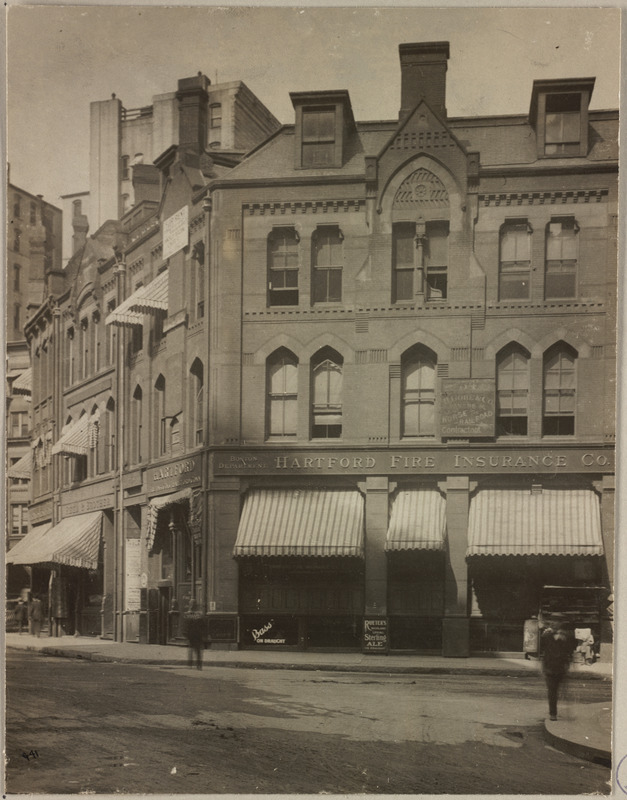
column 468, row 407
column 175, row 475
column 88, row 504
column 175, row 232
column 269, row 631
column 375, row 635
column 413, row 461
column 132, row 583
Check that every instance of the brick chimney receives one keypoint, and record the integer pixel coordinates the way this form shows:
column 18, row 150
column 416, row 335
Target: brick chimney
column 80, row 226
column 193, row 103
column 423, row 75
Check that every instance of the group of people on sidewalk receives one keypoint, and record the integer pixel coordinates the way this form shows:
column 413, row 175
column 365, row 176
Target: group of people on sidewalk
column 29, row 614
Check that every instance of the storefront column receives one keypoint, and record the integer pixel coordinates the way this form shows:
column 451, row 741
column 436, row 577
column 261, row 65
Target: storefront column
column 224, row 503
column 376, row 531
column 456, row 623
column 607, row 528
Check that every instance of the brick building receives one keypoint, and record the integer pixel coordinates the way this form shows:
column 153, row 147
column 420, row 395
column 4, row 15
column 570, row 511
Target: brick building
column 363, row 393
column 33, row 247
column 413, row 369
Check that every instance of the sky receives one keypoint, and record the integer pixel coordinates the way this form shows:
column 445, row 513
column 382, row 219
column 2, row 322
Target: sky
column 61, row 58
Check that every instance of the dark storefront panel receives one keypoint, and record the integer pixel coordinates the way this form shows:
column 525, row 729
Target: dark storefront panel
column 416, row 583
column 416, row 633
column 307, row 602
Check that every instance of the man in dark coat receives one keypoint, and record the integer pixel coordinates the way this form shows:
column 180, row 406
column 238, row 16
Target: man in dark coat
column 557, row 643
column 21, row 614
column 195, row 629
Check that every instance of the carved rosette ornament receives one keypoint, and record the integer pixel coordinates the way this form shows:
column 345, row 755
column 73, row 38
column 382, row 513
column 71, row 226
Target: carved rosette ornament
column 422, row 189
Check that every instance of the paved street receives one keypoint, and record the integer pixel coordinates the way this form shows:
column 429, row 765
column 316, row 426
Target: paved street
column 104, row 728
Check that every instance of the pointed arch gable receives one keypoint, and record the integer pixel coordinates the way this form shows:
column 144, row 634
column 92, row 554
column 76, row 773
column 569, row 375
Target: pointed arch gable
column 510, row 336
column 330, row 340
column 417, row 338
column 291, row 343
column 412, row 165
column 581, row 347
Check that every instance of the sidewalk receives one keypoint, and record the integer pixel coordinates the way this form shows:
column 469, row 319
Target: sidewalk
column 586, row 733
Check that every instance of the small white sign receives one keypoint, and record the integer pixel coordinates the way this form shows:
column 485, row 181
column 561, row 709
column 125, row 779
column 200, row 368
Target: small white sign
column 176, row 232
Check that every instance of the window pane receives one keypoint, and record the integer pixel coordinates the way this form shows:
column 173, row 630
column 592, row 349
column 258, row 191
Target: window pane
column 318, row 125
column 290, row 416
column 335, row 285
column 514, row 286
column 515, row 243
column 404, row 248
column 404, row 284
column 276, row 416
column 560, row 285
column 437, row 245
column 318, row 154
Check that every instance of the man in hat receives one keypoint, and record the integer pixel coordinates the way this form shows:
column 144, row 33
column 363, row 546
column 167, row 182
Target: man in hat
column 557, row 643
column 195, row 627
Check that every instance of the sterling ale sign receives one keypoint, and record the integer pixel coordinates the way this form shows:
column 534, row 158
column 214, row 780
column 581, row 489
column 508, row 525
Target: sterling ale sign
column 375, row 635
column 396, row 461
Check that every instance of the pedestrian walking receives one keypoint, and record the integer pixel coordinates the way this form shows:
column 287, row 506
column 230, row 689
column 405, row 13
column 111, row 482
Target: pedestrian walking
column 21, row 614
column 557, row 644
column 195, row 629
column 35, row 615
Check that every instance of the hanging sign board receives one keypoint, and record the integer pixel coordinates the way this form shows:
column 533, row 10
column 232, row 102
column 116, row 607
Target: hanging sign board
column 176, row 232
column 468, row 407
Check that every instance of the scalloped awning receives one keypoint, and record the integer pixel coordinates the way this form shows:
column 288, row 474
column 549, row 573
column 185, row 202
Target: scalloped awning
column 418, row 521
column 558, row 522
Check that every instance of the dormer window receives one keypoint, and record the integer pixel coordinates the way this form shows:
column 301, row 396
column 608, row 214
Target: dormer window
column 318, row 137
column 559, row 114
column 324, row 122
column 563, row 125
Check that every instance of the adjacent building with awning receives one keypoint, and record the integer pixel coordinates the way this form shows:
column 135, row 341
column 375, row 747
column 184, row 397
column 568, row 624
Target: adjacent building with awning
column 144, row 300
column 73, row 542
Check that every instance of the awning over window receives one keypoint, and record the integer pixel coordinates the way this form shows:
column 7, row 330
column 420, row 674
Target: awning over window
column 154, row 296
column 293, row 522
column 23, row 384
column 144, row 300
column 155, row 505
column 550, row 522
column 23, row 468
column 418, row 521
column 74, row 439
column 75, row 542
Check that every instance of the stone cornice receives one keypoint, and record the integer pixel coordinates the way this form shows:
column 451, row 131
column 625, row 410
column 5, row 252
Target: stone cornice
column 542, row 198
column 303, row 207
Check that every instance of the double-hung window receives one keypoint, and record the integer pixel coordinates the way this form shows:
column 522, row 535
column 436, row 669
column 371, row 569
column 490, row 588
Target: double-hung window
column 436, row 260
column 283, row 264
column 560, row 280
column 327, row 396
column 282, row 394
column 563, row 124
column 318, row 138
column 327, row 261
column 559, row 391
column 515, row 261
column 418, row 394
column 403, row 256
column 512, row 384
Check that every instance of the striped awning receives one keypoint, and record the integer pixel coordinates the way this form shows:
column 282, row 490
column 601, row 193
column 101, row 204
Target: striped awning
column 23, row 468
column 294, row 522
column 154, row 296
column 522, row 522
column 155, row 505
column 124, row 315
column 75, row 542
column 23, row 384
column 74, row 439
column 418, row 521
column 144, row 300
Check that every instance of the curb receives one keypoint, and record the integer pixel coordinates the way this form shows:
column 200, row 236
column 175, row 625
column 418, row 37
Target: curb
column 328, row 667
column 586, row 752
